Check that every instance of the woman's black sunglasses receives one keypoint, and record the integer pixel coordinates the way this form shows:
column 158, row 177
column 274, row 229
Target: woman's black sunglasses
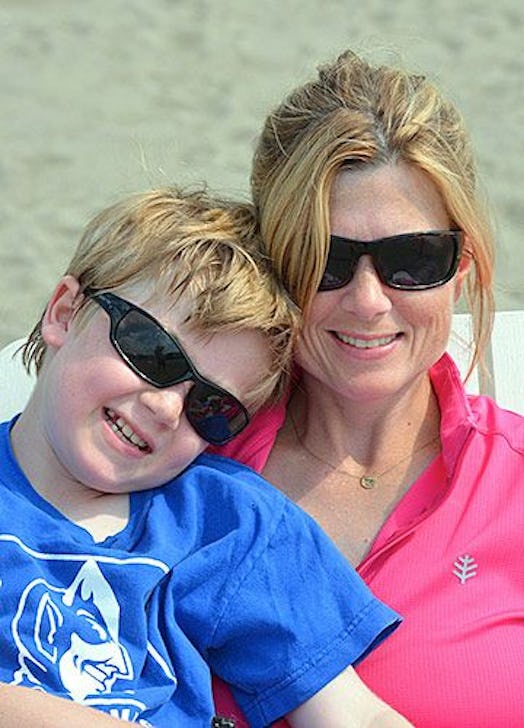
column 411, row 261
column 158, row 358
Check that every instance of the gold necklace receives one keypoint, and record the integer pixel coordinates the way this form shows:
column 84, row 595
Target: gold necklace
column 368, row 482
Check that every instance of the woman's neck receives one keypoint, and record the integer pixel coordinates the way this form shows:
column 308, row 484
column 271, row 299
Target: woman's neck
column 372, row 432
column 349, row 463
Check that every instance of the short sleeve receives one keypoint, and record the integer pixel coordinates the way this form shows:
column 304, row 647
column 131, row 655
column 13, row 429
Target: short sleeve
column 297, row 619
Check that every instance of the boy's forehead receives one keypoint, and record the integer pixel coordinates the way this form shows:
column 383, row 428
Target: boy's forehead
column 168, row 306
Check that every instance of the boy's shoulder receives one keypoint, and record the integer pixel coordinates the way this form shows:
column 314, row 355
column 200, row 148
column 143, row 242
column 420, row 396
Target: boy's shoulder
column 229, row 467
column 219, row 501
column 216, row 487
column 224, row 477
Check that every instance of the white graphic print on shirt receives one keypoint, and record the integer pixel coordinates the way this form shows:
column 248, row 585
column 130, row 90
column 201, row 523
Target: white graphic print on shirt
column 68, row 631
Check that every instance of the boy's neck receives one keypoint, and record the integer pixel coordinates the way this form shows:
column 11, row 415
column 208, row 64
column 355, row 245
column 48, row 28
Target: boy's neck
column 101, row 514
column 109, row 516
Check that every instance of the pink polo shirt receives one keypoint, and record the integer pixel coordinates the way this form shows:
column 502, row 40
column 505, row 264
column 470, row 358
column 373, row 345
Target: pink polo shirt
column 450, row 560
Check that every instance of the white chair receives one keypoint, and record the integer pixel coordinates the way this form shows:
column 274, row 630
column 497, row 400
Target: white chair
column 15, row 383
column 504, row 380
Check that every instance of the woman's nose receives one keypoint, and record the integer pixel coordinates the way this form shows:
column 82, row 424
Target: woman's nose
column 365, row 295
column 167, row 405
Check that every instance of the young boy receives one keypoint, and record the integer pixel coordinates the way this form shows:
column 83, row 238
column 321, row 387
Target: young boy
column 131, row 563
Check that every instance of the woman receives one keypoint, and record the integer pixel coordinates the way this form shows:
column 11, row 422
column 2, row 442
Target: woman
column 369, row 206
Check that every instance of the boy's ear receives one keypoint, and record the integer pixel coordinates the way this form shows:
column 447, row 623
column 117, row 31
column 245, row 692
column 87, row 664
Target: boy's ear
column 463, row 268
column 59, row 312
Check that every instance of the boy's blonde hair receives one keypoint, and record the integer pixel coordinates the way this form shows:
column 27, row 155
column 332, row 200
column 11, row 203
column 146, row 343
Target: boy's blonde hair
column 180, row 241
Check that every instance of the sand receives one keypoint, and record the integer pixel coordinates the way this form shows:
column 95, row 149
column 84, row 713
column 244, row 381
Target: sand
column 104, row 97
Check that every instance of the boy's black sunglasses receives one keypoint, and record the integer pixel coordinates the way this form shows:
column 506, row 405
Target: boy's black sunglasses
column 410, row 262
column 158, row 358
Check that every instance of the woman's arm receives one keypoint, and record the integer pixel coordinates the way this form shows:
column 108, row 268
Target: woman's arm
column 346, row 702
column 33, row 709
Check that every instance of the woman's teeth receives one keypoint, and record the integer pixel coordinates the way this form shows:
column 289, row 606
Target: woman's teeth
column 124, row 432
column 365, row 343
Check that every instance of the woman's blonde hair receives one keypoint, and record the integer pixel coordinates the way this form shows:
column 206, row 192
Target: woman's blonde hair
column 181, row 241
column 354, row 115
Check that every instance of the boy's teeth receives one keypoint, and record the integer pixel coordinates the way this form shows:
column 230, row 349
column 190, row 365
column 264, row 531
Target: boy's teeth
column 124, row 431
column 365, row 343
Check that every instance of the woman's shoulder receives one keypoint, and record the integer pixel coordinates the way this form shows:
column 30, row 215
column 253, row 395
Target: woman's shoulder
column 493, row 420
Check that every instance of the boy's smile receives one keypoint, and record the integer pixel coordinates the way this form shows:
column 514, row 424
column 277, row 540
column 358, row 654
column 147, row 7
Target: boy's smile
column 124, row 431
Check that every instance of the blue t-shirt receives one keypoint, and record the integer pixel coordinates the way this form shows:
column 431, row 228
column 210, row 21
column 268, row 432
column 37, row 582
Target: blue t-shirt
column 216, row 569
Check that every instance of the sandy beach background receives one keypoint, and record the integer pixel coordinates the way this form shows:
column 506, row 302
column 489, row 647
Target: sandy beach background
column 101, row 98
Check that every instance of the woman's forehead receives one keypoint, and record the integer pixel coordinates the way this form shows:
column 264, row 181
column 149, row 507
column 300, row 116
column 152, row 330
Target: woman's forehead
column 397, row 195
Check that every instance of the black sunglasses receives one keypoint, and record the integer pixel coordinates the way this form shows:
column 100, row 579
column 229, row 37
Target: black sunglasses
column 158, row 358
column 411, row 261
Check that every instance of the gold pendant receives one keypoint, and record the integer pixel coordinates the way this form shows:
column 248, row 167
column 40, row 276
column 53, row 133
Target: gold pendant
column 368, row 481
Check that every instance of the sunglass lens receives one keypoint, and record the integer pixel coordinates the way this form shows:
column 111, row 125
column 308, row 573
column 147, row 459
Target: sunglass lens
column 341, row 264
column 214, row 413
column 149, row 349
column 420, row 261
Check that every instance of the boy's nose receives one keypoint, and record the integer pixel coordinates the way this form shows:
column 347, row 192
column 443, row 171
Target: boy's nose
column 167, row 405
